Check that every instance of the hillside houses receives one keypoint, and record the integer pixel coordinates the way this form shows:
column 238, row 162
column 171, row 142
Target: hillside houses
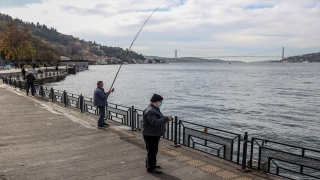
column 312, row 57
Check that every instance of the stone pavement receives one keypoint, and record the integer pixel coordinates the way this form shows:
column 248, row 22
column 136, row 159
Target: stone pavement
column 44, row 140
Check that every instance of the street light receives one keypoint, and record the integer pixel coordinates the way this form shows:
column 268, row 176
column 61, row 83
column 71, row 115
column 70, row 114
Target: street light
column 0, row 58
column 0, row 55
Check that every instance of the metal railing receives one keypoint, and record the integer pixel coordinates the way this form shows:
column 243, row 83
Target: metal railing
column 271, row 157
column 214, row 141
column 284, row 160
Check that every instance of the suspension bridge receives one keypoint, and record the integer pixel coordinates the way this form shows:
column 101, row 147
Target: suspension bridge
column 254, row 55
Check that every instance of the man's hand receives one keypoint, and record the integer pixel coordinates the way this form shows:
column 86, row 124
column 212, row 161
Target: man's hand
column 111, row 90
column 170, row 118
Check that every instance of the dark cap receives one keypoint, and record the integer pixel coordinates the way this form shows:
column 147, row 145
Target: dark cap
column 156, row 98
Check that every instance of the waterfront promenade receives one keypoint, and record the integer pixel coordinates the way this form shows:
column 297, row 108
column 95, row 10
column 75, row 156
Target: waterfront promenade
column 44, row 140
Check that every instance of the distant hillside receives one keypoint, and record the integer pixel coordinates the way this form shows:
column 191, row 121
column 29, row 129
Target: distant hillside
column 21, row 40
column 311, row 57
column 190, row 60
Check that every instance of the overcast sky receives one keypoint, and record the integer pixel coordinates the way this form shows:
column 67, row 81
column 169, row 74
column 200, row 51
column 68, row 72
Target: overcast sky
column 207, row 28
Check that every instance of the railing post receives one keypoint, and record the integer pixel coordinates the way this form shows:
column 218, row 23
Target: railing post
column 52, row 94
column 176, row 133
column 65, row 98
column 244, row 153
column 81, row 102
column 251, row 152
column 259, row 160
column 301, row 167
column 132, row 119
column 238, row 153
column 171, row 130
column 179, row 133
column 41, row 91
column 269, row 162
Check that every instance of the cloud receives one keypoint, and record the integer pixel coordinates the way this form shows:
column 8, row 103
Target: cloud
column 17, row 3
column 99, row 9
column 260, row 6
column 208, row 27
column 44, row 12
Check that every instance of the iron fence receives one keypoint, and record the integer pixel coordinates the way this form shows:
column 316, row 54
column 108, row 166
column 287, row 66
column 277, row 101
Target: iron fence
column 284, row 160
column 280, row 159
column 214, row 141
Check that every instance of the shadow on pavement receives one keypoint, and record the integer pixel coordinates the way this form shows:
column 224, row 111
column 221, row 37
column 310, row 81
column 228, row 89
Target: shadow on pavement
column 165, row 176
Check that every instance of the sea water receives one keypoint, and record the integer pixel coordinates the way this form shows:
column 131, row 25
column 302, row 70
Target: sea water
column 274, row 101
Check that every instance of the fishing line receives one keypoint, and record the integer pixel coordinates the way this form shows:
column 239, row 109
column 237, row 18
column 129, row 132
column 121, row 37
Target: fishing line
column 132, row 44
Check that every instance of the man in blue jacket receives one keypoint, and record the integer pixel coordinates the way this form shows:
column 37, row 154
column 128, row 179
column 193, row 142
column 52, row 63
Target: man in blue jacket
column 100, row 100
column 153, row 126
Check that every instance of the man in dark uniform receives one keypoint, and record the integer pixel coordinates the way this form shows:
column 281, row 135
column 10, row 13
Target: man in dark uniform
column 30, row 83
column 23, row 71
column 153, row 126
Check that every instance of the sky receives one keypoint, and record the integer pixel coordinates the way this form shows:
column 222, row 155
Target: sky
column 196, row 28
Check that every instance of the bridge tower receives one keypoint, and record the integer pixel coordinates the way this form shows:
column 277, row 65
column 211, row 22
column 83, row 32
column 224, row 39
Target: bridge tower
column 176, row 54
column 282, row 53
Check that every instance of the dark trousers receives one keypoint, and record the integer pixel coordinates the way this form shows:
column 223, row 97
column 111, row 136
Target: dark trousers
column 102, row 111
column 152, row 143
column 32, row 88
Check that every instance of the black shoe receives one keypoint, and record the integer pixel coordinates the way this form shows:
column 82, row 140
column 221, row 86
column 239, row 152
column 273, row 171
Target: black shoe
column 156, row 171
column 157, row 166
column 105, row 125
column 101, row 127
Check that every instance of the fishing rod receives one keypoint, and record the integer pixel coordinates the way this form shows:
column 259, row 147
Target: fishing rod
column 131, row 46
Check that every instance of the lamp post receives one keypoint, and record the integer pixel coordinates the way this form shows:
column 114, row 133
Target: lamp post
column 0, row 58
column 0, row 55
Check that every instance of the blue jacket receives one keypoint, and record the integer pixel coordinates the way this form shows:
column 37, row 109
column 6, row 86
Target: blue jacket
column 100, row 97
column 153, row 123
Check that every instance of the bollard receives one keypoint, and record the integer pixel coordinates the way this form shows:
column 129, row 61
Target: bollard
column 176, row 133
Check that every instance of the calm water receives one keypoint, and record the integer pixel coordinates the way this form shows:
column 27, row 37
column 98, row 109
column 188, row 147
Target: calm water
column 274, row 101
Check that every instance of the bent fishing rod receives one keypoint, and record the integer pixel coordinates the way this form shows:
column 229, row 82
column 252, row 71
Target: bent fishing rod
column 131, row 46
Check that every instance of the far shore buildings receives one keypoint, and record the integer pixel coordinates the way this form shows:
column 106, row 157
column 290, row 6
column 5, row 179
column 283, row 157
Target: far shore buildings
column 66, row 61
column 64, row 58
column 105, row 60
